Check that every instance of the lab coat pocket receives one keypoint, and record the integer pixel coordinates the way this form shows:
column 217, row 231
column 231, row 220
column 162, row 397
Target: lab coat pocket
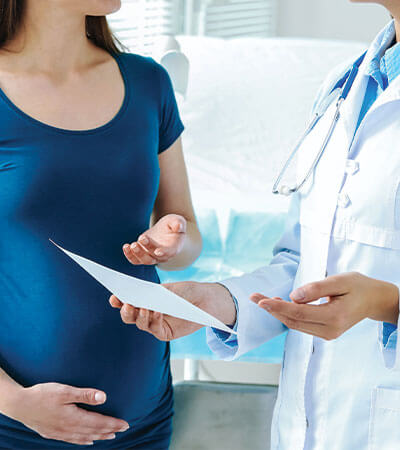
column 384, row 426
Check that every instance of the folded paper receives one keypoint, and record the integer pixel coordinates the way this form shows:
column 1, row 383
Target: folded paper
column 144, row 294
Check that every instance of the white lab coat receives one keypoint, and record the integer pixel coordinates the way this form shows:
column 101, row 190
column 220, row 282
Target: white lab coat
column 342, row 394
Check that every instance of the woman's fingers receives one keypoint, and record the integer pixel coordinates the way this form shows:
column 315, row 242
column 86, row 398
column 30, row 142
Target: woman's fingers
column 154, row 249
column 178, row 224
column 141, row 254
column 96, row 423
column 130, row 255
column 147, row 243
column 146, row 252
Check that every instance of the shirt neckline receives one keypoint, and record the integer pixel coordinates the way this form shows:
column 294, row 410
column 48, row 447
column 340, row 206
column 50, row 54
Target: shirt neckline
column 95, row 130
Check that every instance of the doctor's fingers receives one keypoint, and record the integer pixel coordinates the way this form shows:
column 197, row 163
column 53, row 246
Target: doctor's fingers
column 115, row 302
column 144, row 319
column 315, row 329
column 157, row 327
column 321, row 314
column 333, row 286
column 129, row 313
column 334, row 328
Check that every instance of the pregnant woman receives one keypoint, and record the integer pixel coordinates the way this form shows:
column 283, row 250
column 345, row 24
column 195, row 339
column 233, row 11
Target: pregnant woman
column 334, row 281
column 90, row 156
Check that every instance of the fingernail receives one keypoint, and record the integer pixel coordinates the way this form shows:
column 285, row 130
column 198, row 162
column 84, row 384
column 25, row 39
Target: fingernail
column 144, row 240
column 111, row 436
column 135, row 248
column 100, row 397
column 159, row 252
column 124, row 428
column 298, row 294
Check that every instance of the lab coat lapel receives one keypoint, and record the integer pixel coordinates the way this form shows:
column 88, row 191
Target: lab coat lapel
column 392, row 93
column 352, row 106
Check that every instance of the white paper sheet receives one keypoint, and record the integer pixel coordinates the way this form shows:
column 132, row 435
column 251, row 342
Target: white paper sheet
column 144, row 294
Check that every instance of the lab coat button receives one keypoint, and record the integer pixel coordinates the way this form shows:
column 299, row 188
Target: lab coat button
column 352, row 167
column 343, row 200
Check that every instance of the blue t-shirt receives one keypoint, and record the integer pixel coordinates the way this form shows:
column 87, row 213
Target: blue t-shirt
column 90, row 191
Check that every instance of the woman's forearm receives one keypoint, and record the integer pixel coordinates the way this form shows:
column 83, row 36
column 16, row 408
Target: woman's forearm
column 9, row 389
column 190, row 252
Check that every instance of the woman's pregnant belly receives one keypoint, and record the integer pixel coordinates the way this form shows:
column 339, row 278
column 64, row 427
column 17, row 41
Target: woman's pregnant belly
column 56, row 325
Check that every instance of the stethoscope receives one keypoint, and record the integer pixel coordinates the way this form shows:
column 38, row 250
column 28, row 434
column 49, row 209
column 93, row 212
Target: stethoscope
column 343, row 86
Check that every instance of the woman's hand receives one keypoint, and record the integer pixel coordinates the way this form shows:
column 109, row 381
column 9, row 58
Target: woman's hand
column 160, row 243
column 50, row 409
column 210, row 297
column 352, row 297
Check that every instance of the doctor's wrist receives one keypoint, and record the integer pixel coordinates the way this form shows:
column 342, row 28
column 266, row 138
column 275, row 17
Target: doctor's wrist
column 219, row 302
column 384, row 299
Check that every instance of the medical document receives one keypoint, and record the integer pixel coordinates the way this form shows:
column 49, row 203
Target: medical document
column 144, row 294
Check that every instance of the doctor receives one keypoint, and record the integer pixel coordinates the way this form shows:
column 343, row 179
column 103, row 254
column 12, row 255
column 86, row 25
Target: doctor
column 337, row 269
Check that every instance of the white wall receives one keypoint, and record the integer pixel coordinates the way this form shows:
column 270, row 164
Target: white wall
column 330, row 19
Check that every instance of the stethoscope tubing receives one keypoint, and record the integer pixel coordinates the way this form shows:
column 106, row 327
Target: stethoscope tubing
column 344, row 92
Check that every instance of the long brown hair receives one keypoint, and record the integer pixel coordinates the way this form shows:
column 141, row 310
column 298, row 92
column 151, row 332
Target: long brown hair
column 97, row 29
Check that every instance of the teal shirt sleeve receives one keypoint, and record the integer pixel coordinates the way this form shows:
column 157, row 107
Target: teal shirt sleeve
column 171, row 126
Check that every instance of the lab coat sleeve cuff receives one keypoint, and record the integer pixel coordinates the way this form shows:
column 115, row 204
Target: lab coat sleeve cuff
column 228, row 338
column 388, row 344
column 226, row 346
column 254, row 325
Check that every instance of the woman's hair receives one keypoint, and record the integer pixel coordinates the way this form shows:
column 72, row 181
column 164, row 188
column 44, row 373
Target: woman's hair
column 97, row 29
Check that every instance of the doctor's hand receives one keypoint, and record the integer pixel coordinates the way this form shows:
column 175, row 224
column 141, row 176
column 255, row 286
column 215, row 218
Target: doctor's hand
column 351, row 298
column 211, row 297
column 51, row 409
column 160, row 243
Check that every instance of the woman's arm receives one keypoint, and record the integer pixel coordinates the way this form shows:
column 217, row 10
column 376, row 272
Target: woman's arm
column 174, row 198
column 173, row 240
column 254, row 325
column 9, row 390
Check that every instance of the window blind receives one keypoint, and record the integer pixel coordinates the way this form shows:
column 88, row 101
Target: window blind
column 139, row 22
column 237, row 18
